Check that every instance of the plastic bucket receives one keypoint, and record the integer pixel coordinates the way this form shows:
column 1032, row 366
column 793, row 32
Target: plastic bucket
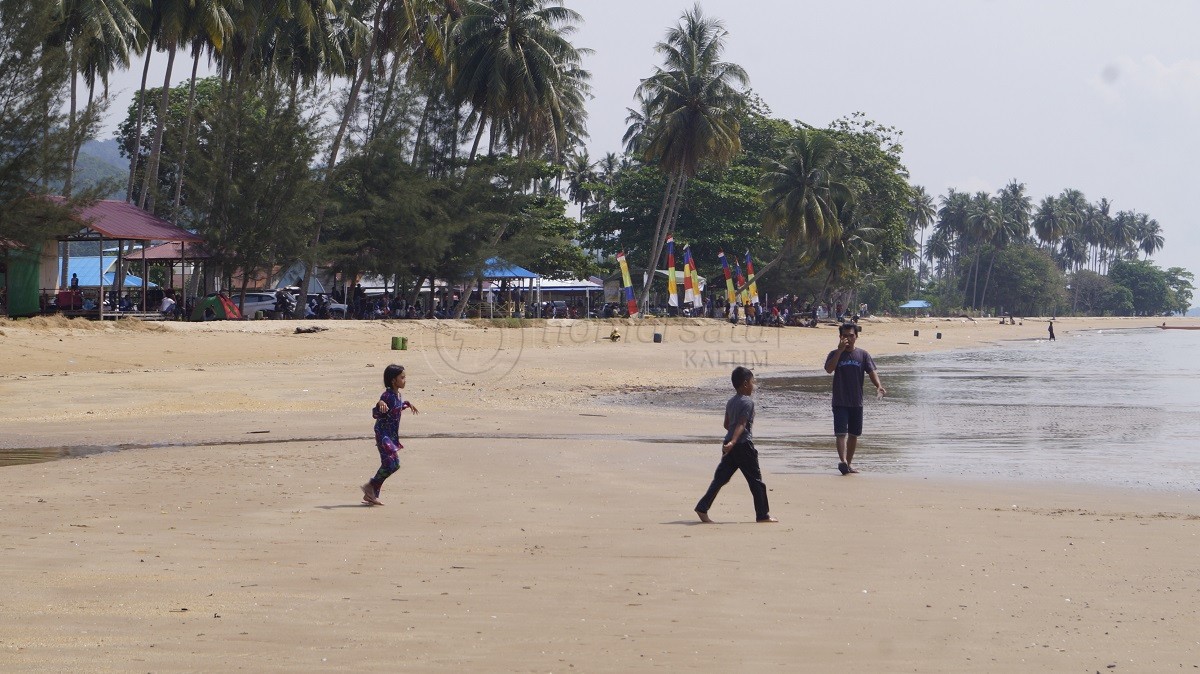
column 399, row 344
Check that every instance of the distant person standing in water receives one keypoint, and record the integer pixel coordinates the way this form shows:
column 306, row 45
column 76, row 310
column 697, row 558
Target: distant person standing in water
column 1051, row 330
column 848, row 365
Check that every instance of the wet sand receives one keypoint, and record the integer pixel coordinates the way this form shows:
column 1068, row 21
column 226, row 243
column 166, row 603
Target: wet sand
column 538, row 522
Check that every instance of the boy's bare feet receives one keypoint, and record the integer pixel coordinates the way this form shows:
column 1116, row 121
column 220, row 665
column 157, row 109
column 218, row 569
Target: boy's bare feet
column 851, row 469
column 767, row 519
column 704, row 517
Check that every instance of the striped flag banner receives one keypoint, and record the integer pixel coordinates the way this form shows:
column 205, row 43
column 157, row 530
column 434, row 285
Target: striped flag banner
column 697, row 296
column 630, row 303
column 672, row 289
column 753, row 284
column 730, row 294
column 689, row 295
column 741, row 281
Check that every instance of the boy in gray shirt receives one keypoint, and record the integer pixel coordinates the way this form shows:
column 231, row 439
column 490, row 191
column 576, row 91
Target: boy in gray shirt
column 737, row 450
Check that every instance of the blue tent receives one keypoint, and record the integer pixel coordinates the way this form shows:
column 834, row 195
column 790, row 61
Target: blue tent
column 915, row 304
column 497, row 268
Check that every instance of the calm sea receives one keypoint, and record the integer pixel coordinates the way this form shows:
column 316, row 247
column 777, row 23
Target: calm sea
column 1109, row 407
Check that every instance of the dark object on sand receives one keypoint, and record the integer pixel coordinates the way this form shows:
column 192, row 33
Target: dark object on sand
column 309, row 330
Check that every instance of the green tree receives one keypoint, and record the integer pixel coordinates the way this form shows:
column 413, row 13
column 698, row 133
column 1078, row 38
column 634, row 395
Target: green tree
column 257, row 216
column 517, row 69
column 1027, row 282
column 35, row 142
column 1146, row 282
column 696, row 104
column 1179, row 282
column 801, row 194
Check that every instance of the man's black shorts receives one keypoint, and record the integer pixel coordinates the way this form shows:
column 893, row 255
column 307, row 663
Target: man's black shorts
column 847, row 420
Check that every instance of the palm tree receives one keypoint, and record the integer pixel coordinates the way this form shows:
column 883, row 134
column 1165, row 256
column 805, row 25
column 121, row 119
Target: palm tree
column 640, row 126
column 984, row 218
column 951, row 229
column 98, row 37
column 514, row 65
column 697, row 103
column 1148, row 235
column 171, row 18
column 579, row 174
column 210, row 25
column 802, row 193
column 921, row 214
column 1052, row 222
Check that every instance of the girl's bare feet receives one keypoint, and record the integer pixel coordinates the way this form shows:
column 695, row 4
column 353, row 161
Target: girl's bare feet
column 704, row 517
column 369, row 495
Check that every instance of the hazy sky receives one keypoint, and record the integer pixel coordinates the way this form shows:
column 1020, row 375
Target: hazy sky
column 1098, row 95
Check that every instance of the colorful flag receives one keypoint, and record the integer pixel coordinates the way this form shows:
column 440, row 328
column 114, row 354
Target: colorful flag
column 741, row 281
column 697, row 296
column 689, row 295
column 731, row 295
column 630, row 303
column 672, row 289
column 753, row 284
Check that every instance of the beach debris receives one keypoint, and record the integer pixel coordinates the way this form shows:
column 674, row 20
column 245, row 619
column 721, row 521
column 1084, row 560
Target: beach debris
column 310, row 329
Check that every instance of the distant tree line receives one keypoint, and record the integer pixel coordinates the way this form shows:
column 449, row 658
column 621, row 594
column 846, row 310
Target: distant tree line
column 415, row 139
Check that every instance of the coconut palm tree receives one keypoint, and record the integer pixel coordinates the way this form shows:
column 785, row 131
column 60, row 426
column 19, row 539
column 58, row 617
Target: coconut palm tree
column 513, row 64
column 171, row 18
column 1052, row 222
column 210, row 26
column 802, row 193
column 98, row 37
column 921, row 214
column 579, row 173
column 1148, row 235
column 640, row 127
column 696, row 99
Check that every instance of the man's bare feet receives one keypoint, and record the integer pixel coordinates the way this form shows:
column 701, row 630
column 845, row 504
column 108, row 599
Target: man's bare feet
column 851, row 469
column 704, row 517
column 767, row 520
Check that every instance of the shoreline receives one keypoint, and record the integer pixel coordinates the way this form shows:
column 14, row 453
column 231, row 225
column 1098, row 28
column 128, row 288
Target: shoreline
column 529, row 528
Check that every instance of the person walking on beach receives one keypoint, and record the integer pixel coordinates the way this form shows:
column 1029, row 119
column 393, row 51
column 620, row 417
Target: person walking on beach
column 848, row 364
column 1050, row 329
column 737, row 450
column 387, row 431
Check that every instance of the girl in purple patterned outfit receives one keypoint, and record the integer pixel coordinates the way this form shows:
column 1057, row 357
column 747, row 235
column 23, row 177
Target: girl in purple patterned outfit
column 387, row 431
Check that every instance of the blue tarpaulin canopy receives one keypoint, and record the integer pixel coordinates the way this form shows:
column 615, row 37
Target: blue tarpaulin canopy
column 497, row 268
column 915, row 304
column 88, row 271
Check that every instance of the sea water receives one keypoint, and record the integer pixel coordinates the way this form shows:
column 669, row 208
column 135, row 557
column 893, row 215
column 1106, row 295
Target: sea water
column 1108, row 407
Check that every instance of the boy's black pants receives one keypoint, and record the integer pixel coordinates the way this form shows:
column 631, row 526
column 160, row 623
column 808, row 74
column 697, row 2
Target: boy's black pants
column 743, row 457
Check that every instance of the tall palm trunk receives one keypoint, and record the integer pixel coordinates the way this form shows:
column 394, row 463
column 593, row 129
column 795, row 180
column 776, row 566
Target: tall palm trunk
column 659, row 239
column 478, row 136
column 186, row 139
column 150, row 180
column 137, row 134
column 987, row 279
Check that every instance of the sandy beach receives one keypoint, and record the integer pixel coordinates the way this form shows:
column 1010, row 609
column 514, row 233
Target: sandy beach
column 542, row 518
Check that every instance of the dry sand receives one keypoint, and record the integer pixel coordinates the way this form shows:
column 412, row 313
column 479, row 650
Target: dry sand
column 539, row 522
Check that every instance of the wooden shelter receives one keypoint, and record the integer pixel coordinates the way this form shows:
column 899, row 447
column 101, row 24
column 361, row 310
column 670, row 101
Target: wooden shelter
column 122, row 222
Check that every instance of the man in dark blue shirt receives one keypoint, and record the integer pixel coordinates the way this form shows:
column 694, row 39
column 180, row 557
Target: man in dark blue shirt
column 848, row 364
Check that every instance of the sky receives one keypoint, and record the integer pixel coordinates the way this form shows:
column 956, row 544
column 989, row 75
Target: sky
column 1102, row 96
